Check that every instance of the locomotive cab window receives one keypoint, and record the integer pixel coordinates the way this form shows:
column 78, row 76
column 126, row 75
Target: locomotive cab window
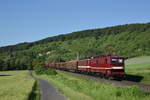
column 120, row 60
column 114, row 60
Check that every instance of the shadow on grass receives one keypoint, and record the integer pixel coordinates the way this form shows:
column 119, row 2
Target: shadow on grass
column 5, row 75
column 35, row 93
column 133, row 78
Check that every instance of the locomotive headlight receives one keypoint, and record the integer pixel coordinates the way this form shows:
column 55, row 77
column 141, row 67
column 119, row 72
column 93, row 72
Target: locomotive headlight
column 117, row 67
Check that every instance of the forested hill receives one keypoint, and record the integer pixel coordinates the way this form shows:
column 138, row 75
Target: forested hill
column 80, row 34
column 124, row 40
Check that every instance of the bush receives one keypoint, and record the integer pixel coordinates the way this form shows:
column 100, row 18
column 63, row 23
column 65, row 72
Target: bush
column 43, row 70
column 50, row 72
column 39, row 70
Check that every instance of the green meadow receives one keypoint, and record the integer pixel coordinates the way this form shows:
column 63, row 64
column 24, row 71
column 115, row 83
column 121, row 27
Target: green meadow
column 77, row 88
column 139, row 68
column 15, row 85
column 142, row 70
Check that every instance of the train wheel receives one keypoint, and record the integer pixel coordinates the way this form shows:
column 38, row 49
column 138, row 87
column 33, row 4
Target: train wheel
column 97, row 74
column 88, row 73
column 101, row 75
column 106, row 76
column 124, row 77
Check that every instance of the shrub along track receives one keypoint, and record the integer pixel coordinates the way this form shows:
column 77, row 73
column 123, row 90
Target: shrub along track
column 145, row 87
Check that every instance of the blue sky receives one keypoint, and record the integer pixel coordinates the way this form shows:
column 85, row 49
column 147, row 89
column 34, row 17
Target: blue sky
column 31, row 20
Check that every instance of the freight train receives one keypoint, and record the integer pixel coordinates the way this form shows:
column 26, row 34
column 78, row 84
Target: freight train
column 103, row 66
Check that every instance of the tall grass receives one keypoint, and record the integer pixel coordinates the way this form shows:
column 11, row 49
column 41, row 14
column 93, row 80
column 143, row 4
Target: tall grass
column 17, row 86
column 35, row 93
column 77, row 88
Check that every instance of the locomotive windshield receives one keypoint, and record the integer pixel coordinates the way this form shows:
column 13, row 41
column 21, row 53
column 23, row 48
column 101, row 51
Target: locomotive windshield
column 114, row 60
column 120, row 60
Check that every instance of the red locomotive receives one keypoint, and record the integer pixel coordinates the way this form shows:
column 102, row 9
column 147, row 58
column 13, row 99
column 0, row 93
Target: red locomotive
column 104, row 66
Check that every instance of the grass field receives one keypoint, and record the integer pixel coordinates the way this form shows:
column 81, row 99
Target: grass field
column 139, row 66
column 15, row 85
column 77, row 88
column 138, row 60
column 142, row 70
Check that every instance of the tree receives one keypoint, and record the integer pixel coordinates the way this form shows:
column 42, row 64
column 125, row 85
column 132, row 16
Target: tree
column 109, row 49
column 1, row 64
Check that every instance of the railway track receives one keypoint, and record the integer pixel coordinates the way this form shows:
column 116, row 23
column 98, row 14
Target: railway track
column 145, row 87
column 122, row 83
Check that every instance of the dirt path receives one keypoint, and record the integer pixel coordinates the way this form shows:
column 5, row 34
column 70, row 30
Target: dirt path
column 48, row 92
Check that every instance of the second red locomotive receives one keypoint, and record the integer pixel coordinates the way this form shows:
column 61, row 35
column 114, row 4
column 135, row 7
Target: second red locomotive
column 104, row 66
